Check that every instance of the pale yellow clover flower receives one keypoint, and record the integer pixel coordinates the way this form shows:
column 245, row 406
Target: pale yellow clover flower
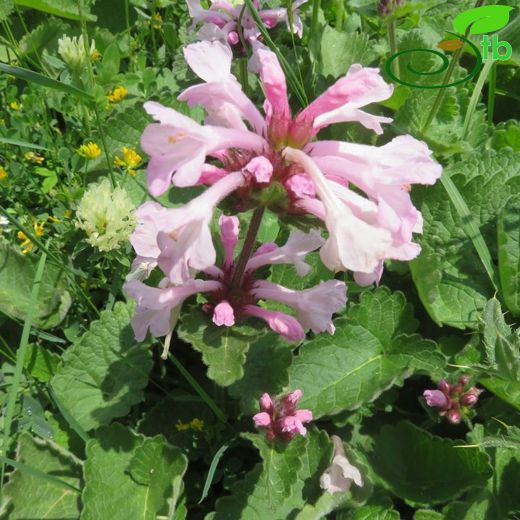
column 117, row 94
column 130, row 161
column 107, row 215
column 73, row 51
column 34, row 157
column 89, row 150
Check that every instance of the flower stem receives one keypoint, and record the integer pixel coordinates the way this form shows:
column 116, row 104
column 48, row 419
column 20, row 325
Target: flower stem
column 247, row 249
column 242, row 62
column 491, row 93
column 315, row 14
column 392, row 41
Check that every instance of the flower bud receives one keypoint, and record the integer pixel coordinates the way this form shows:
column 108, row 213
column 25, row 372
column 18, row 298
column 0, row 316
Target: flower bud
column 453, row 416
column 436, row 398
column 444, row 387
column 464, row 380
column 470, row 398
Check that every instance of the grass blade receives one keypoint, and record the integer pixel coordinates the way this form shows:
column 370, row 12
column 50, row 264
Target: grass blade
column 44, row 81
column 23, row 144
column 20, row 359
column 471, row 228
column 212, row 469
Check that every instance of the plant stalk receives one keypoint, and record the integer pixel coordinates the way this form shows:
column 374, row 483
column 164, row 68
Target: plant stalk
column 247, row 249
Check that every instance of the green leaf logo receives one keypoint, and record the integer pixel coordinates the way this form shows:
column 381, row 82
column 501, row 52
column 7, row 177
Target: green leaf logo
column 486, row 19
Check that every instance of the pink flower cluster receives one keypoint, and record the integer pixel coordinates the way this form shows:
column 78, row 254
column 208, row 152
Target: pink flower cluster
column 279, row 417
column 224, row 19
column 452, row 401
column 249, row 159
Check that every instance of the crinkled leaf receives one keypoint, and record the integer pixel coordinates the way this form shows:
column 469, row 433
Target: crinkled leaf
column 425, row 469
column 130, row 476
column 509, row 253
column 41, row 363
column 371, row 350
column 223, row 349
column 29, row 495
column 265, row 370
column 449, row 276
column 16, row 277
column 105, row 372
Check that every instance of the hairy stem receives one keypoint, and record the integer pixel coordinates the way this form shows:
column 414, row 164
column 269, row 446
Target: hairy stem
column 247, row 249
column 392, row 41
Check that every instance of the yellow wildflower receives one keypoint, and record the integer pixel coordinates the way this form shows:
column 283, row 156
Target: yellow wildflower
column 117, row 94
column 95, row 55
column 89, row 151
column 38, row 228
column 3, row 173
column 157, row 20
column 131, row 160
column 67, row 213
column 34, row 157
column 26, row 244
column 194, row 424
column 15, row 105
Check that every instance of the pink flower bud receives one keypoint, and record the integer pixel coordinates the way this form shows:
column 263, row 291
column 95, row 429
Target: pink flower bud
column 453, row 416
column 464, row 380
column 233, row 38
column 266, row 403
column 444, row 386
column 261, row 169
column 223, row 314
column 470, row 398
column 262, row 420
column 436, row 398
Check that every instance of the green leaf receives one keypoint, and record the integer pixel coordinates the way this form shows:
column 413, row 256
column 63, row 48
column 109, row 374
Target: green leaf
column 23, row 144
column 223, row 349
column 130, row 476
column 110, row 63
column 424, row 469
column 340, row 50
column 449, row 276
column 41, row 363
column 44, row 81
column 38, row 494
column 508, row 235
column 506, row 134
column 105, row 372
column 261, row 376
column 16, row 277
column 485, row 19
column 371, row 350
column 285, row 480
column 427, row 514
column 269, row 227
column 372, row 513
column 64, row 8
column 6, row 8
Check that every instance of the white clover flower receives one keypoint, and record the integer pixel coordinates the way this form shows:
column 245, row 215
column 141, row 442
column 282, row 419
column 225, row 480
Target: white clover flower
column 106, row 215
column 4, row 223
column 73, row 51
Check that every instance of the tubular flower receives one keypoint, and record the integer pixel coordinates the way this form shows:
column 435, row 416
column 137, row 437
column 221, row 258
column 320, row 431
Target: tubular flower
column 89, row 150
column 73, row 51
column 279, row 417
column 158, row 308
column 223, row 18
column 365, row 226
column 453, row 401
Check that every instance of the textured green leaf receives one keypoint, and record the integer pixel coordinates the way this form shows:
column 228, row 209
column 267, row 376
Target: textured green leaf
column 371, row 513
column 506, row 134
column 6, row 8
column 509, row 391
column 424, row 469
column 265, row 370
column 339, row 50
column 223, row 349
column 371, row 350
column 449, row 276
column 129, row 476
column 508, row 236
column 30, row 496
column 284, row 482
column 16, row 277
column 105, row 372
column 427, row 514
column 41, row 363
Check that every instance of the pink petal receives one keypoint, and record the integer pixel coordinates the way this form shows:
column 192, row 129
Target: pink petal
column 223, row 314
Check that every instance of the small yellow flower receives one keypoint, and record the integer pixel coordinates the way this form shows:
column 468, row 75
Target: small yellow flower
column 26, row 244
column 157, row 20
column 34, row 157
column 15, row 105
column 197, row 424
column 117, row 94
column 67, row 213
column 95, row 55
column 38, row 228
column 3, row 174
column 131, row 160
column 53, row 219
column 89, row 151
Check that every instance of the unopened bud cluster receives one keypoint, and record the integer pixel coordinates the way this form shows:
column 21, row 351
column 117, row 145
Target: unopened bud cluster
column 385, row 7
column 453, row 401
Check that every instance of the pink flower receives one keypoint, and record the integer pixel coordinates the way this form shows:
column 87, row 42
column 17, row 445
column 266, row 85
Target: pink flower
column 279, row 417
column 315, row 306
column 287, row 326
column 220, row 21
column 436, row 398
